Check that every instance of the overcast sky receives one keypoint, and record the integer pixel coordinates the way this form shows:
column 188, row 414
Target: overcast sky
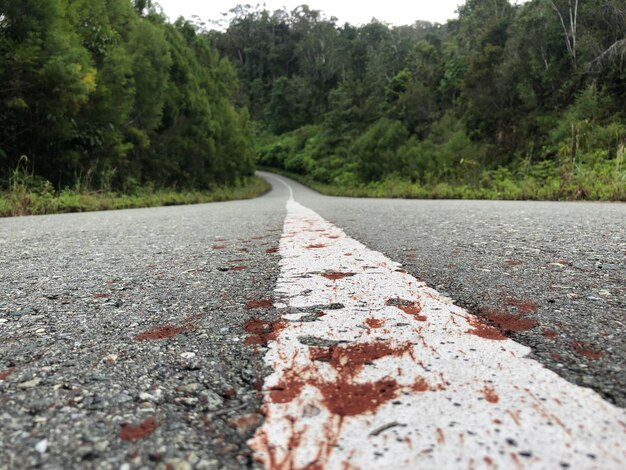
column 397, row 12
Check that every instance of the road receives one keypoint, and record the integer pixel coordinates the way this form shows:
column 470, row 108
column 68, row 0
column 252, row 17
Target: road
column 123, row 334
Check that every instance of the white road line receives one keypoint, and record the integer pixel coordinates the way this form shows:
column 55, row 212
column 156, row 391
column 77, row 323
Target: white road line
column 283, row 182
column 400, row 377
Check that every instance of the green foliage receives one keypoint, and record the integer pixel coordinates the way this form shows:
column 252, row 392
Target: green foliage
column 501, row 101
column 505, row 100
column 106, row 94
column 40, row 198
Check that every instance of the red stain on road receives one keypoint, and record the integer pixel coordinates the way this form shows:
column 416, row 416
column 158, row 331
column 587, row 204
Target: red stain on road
column 484, row 331
column 490, row 395
column 287, row 389
column 262, row 332
column 238, row 268
column 414, row 311
column 374, row 323
column 584, row 349
column 409, row 307
column 523, row 307
column 513, row 262
column 162, row 332
column 550, row 334
column 507, row 321
column 272, row 250
column 257, row 327
column 346, row 398
column 315, row 245
column 319, row 353
column 420, row 385
column 333, row 276
column 260, row 303
column 219, row 247
column 101, row 296
column 441, row 438
column 133, row 432
column 6, row 373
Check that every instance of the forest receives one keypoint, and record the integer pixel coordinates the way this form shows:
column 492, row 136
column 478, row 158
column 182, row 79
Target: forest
column 108, row 95
column 515, row 101
column 506, row 101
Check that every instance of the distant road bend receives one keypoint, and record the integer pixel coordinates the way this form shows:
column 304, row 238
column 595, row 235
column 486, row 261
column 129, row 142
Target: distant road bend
column 303, row 331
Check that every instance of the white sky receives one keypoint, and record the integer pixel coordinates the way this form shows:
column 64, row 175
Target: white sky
column 398, row 12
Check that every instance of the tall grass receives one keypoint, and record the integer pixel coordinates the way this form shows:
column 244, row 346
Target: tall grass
column 29, row 195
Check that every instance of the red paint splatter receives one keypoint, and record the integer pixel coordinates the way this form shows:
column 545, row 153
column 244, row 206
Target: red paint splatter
column 316, row 245
column 488, row 460
column 262, row 332
column 441, row 438
column 272, row 250
column 133, row 432
column 413, row 310
column 513, row 262
column 332, row 236
column 319, row 353
column 523, row 307
column 347, row 254
column 260, row 303
column 374, row 323
column 507, row 321
column 162, row 332
column 333, row 276
column 420, row 385
column 584, row 349
column 409, row 307
column 563, row 262
column 6, row 373
column 346, row 398
column 353, row 357
column 219, row 247
column 484, row 331
column 257, row 327
column 550, row 334
column 238, row 268
column 287, row 389
column 490, row 395
column 101, row 296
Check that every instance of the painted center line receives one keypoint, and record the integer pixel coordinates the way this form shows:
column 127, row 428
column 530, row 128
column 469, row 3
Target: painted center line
column 372, row 369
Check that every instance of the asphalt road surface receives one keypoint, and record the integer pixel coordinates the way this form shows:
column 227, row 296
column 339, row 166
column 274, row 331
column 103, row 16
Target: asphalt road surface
column 123, row 334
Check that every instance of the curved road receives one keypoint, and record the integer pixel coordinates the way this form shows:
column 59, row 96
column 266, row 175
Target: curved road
column 122, row 333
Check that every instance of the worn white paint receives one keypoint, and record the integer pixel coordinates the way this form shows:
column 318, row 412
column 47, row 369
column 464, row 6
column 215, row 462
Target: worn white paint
column 538, row 421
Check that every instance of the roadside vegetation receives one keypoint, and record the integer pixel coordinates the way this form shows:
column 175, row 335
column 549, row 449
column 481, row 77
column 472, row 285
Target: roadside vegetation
column 31, row 195
column 508, row 101
column 108, row 104
column 105, row 104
